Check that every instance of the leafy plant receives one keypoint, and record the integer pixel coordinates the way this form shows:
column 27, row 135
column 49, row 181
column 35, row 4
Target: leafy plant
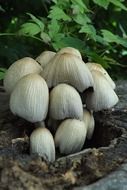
column 94, row 27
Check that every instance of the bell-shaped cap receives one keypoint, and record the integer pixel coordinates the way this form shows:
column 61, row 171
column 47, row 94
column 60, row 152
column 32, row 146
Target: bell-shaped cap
column 45, row 57
column 68, row 68
column 98, row 67
column 89, row 122
column 70, row 136
column 30, row 98
column 65, row 102
column 71, row 50
column 19, row 69
column 103, row 96
column 42, row 143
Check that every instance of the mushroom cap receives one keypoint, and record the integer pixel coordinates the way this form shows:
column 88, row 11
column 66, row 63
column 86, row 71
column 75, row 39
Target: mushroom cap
column 103, row 96
column 19, row 69
column 42, row 143
column 65, row 102
column 68, row 68
column 89, row 122
column 45, row 57
column 98, row 67
column 30, row 98
column 70, row 136
column 71, row 50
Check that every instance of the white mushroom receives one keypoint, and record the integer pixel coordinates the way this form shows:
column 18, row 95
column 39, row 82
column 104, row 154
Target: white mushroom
column 19, row 69
column 98, row 67
column 45, row 57
column 71, row 50
column 30, row 98
column 103, row 96
column 70, row 136
column 89, row 122
column 65, row 102
column 68, row 68
column 42, row 143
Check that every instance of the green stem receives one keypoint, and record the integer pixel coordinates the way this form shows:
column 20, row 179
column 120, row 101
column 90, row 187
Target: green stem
column 24, row 35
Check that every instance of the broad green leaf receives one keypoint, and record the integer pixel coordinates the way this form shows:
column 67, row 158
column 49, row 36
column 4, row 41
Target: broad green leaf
column 79, row 6
column 102, row 3
column 45, row 37
column 112, row 38
column 94, row 57
column 57, row 13
column 90, row 30
column 37, row 21
column 72, row 42
column 82, row 19
column 118, row 4
column 54, row 28
column 30, row 29
column 2, row 73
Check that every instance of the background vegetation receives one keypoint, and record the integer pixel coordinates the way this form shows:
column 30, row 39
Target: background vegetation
column 98, row 28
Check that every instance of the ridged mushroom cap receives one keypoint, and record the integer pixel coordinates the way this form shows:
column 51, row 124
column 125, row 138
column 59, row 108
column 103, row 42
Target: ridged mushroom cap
column 89, row 122
column 42, row 143
column 70, row 136
column 98, row 67
column 30, row 98
column 103, row 96
column 19, row 69
column 71, row 50
column 65, row 102
column 45, row 57
column 68, row 68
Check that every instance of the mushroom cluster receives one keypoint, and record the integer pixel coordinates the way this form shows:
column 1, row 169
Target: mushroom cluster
column 59, row 93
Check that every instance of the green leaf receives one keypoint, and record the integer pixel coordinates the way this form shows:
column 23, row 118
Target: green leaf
column 29, row 28
column 112, row 38
column 72, row 42
column 57, row 13
column 118, row 4
column 2, row 73
column 79, row 6
column 37, row 21
column 45, row 37
column 82, row 19
column 102, row 3
column 54, row 28
column 90, row 30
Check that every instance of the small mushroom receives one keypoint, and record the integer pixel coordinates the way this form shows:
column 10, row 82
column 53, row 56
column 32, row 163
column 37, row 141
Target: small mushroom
column 42, row 143
column 70, row 136
column 45, row 57
column 89, row 122
column 103, row 97
column 98, row 67
column 71, row 50
column 19, row 69
column 68, row 68
column 30, row 98
column 65, row 102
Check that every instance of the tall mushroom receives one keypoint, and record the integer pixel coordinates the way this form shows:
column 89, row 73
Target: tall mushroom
column 45, row 57
column 65, row 102
column 67, row 68
column 98, row 67
column 42, row 143
column 71, row 50
column 103, row 96
column 70, row 136
column 19, row 69
column 89, row 122
column 30, row 98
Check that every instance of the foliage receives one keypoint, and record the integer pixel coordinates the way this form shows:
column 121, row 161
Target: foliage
column 96, row 27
